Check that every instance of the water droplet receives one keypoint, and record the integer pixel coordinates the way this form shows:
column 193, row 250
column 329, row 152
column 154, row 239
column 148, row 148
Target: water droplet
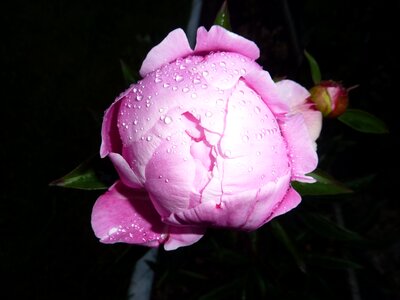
column 185, row 90
column 205, row 73
column 260, row 136
column 243, row 71
column 157, row 80
column 168, row 138
column 258, row 153
column 222, row 64
column 257, row 110
column 245, row 138
column 182, row 67
column 208, row 114
column 167, row 120
column 174, row 88
column 262, row 177
column 139, row 98
column 242, row 92
column 161, row 110
column 188, row 60
column 196, row 81
column 178, row 78
column 160, row 176
column 194, row 95
column 204, row 86
column 149, row 138
column 166, row 180
column 166, row 85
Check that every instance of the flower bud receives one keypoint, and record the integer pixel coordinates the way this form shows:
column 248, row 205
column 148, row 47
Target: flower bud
column 330, row 98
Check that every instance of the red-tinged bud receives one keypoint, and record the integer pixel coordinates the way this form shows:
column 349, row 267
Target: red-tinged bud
column 330, row 98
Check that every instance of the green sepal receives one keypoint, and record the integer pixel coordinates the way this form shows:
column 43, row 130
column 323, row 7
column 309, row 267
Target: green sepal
column 324, row 185
column 92, row 174
column 315, row 71
column 363, row 121
column 223, row 17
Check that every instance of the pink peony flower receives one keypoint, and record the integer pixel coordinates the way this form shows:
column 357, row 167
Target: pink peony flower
column 205, row 139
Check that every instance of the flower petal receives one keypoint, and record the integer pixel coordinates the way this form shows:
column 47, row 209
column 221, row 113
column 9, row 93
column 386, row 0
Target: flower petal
column 174, row 46
column 220, row 39
column 296, row 96
column 120, row 215
column 300, row 147
column 128, row 177
column 290, row 201
column 111, row 141
column 262, row 83
column 183, row 236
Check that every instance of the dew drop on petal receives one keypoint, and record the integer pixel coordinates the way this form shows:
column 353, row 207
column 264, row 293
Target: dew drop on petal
column 178, row 78
column 166, row 85
column 204, row 86
column 205, row 73
column 208, row 114
column 185, row 90
column 157, row 80
column 257, row 109
column 222, row 64
column 167, row 120
column 139, row 98
column 149, row 138
column 194, row 95
column 166, row 180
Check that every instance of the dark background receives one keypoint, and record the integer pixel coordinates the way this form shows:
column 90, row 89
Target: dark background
column 61, row 70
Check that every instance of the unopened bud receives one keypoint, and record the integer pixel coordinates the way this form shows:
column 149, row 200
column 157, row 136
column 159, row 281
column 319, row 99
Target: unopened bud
column 330, row 98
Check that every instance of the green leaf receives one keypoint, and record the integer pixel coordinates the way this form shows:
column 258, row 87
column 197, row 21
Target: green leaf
column 324, row 185
column 326, row 228
column 90, row 175
column 330, row 262
column 315, row 72
column 127, row 73
column 281, row 234
column 223, row 18
column 363, row 121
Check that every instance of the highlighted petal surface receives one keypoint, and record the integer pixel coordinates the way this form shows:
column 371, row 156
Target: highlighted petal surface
column 174, row 46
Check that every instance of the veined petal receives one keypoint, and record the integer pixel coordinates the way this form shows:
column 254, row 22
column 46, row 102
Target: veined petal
column 121, row 215
column 290, row 201
column 220, row 39
column 174, row 46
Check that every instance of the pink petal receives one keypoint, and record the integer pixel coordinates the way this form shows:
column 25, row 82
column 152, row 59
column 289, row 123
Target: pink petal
column 290, row 201
column 182, row 236
column 313, row 121
column 293, row 93
column 296, row 96
column 111, row 141
column 126, row 174
column 246, row 210
column 301, row 149
column 174, row 46
column 262, row 83
column 123, row 215
column 220, row 39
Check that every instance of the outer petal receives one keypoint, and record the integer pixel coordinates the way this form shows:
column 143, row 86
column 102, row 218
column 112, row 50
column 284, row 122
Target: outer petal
column 290, row 201
column 111, row 141
column 302, row 155
column 128, row 177
column 122, row 216
column 220, row 39
column 174, row 46
column 263, row 84
column 183, row 236
column 296, row 96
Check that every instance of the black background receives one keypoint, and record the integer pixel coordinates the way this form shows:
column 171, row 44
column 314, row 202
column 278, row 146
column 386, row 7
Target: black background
column 61, row 70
